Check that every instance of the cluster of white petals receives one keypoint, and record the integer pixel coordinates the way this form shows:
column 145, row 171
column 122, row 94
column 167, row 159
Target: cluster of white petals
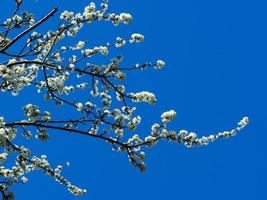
column 144, row 96
column 168, row 116
column 137, row 37
column 7, row 134
column 160, row 64
column 17, row 76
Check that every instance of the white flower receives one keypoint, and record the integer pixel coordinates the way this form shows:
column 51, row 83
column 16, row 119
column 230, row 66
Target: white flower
column 47, row 116
column 133, row 123
column 155, row 128
column 119, row 132
column 76, row 191
column 24, row 179
column 73, row 31
column 89, row 104
column 78, row 46
column 144, row 96
column 211, row 137
column 42, row 135
column 150, row 141
column 3, row 157
column 120, row 42
column 244, row 122
column 90, row 8
column 126, row 17
column 160, row 64
column 66, row 15
column 79, row 107
column 103, row 50
column 87, row 52
column 7, row 134
column 136, row 37
column 168, row 116
column 72, row 66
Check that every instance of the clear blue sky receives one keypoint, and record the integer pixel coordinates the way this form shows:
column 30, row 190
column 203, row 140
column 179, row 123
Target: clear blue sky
column 216, row 73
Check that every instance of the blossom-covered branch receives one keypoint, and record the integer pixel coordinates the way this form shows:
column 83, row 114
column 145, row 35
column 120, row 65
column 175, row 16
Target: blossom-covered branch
column 42, row 62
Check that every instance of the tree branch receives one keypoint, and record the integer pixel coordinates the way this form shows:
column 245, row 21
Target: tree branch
column 50, row 14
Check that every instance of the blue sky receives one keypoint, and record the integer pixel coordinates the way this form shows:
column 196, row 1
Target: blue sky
column 216, row 73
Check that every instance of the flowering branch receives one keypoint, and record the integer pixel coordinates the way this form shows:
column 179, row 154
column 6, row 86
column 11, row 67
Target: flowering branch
column 107, row 113
column 51, row 13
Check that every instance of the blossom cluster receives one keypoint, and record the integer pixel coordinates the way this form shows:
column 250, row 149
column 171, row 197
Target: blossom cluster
column 143, row 96
column 160, row 132
column 168, row 116
column 25, row 163
column 16, row 76
column 17, row 21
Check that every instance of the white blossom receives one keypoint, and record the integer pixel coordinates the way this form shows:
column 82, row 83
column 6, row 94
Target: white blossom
column 120, row 42
column 24, row 179
column 79, row 106
column 160, row 64
column 168, row 116
column 150, row 141
column 136, row 37
column 103, row 50
column 126, row 17
column 66, row 15
column 79, row 45
column 144, row 96
column 3, row 157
